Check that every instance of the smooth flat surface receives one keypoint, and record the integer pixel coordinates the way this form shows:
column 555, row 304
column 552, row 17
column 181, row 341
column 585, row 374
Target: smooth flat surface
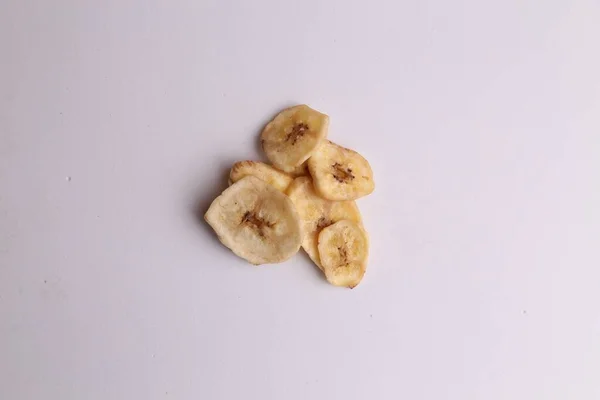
column 119, row 120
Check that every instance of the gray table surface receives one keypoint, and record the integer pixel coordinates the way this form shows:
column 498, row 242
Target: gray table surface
column 120, row 118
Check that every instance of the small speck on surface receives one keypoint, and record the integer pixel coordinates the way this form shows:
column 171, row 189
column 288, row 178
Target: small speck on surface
column 68, row 179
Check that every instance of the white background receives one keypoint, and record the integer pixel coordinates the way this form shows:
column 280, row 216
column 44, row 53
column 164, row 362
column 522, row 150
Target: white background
column 118, row 123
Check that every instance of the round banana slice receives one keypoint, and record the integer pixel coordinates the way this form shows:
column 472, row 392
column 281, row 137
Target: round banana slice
column 293, row 135
column 256, row 221
column 317, row 213
column 280, row 180
column 340, row 173
column 343, row 249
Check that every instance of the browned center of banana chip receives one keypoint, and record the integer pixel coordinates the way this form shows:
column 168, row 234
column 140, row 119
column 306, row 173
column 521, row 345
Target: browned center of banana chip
column 297, row 132
column 342, row 174
column 257, row 223
column 344, row 255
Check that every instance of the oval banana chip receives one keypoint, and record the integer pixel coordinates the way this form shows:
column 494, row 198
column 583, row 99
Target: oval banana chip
column 293, row 135
column 340, row 173
column 256, row 221
column 343, row 249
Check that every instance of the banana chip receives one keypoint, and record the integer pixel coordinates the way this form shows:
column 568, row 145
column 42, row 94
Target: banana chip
column 256, row 221
column 280, row 180
column 293, row 135
column 340, row 173
column 343, row 249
